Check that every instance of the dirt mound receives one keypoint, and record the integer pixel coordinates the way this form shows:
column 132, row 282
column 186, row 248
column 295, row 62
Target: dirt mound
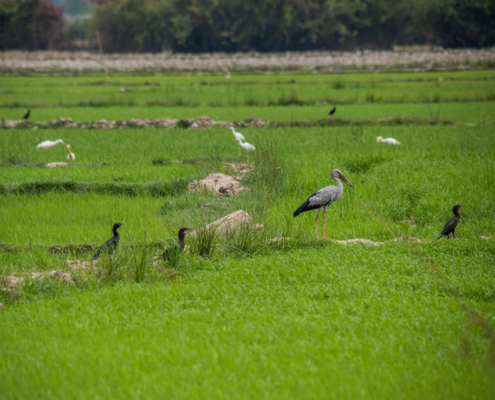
column 230, row 223
column 259, row 123
column 218, row 184
column 56, row 164
column 200, row 122
column 9, row 283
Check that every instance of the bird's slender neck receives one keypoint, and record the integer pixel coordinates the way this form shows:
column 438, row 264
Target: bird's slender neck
column 337, row 180
column 456, row 213
column 115, row 232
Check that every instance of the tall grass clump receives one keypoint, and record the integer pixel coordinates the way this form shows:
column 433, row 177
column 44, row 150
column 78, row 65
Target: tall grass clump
column 204, row 242
column 272, row 171
column 246, row 240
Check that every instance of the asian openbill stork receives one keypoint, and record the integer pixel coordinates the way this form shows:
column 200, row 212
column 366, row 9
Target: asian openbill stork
column 171, row 251
column 112, row 243
column 451, row 224
column 323, row 198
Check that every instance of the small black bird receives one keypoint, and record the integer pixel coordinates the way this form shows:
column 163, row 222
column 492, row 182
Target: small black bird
column 26, row 116
column 332, row 111
column 174, row 250
column 450, row 226
column 110, row 244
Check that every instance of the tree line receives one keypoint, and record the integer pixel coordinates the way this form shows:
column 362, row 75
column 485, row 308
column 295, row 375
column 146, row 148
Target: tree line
column 250, row 25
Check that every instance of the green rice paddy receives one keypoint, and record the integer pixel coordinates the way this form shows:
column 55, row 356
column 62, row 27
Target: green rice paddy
column 245, row 316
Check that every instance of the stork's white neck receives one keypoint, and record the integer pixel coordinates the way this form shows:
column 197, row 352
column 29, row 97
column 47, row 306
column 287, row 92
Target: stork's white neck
column 337, row 180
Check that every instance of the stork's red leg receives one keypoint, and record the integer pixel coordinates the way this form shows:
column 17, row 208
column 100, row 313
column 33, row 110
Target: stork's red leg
column 316, row 223
column 324, row 223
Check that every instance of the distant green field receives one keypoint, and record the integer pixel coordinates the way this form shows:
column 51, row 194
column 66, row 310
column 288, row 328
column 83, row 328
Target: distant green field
column 208, row 91
column 464, row 97
column 249, row 317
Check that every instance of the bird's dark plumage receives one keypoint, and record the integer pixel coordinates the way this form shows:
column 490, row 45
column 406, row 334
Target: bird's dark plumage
column 450, row 226
column 332, row 111
column 110, row 244
column 26, row 116
column 176, row 249
column 306, row 206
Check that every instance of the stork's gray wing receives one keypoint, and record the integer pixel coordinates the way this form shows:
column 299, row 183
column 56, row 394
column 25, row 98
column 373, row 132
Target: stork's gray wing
column 325, row 196
column 321, row 198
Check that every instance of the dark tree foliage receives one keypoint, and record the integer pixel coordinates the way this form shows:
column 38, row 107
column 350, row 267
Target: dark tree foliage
column 468, row 24
column 245, row 25
column 280, row 25
column 30, row 24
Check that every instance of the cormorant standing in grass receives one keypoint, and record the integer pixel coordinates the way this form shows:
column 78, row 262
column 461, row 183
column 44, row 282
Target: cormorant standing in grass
column 450, row 226
column 110, row 244
column 332, row 111
column 26, row 116
column 167, row 254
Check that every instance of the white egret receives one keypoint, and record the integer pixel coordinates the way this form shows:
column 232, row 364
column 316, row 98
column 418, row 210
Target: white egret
column 70, row 155
column 245, row 145
column 389, row 140
column 49, row 143
column 237, row 135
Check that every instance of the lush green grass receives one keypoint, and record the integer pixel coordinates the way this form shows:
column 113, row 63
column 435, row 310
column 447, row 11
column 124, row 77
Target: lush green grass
column 244, row 317
column 309, row 324
column 248, row 90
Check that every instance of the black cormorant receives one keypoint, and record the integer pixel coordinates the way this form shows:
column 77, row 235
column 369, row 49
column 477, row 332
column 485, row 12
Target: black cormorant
column 450, row 226
column 332, row 111
column 171, row 251
column 26, row 116
column 110, row 244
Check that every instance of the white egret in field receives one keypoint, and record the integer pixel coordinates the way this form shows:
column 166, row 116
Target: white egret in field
column 49, row 143
column 389, row 140
column 70, row 154
column 245, row 145
column 237, row 135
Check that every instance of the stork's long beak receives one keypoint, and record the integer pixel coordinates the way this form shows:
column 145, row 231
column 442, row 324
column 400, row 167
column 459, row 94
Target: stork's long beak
column 346, row 181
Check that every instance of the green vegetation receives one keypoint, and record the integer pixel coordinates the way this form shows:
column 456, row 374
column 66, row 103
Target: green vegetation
column 245, row 316
column 463, row 97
